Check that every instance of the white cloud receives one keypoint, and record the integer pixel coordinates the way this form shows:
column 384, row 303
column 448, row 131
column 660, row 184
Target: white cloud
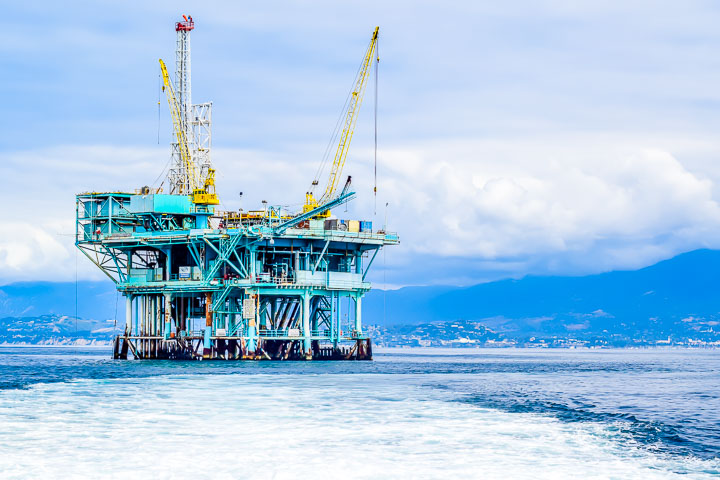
column 483, row 209
column 38, row 191
column 585, row 207
column 521, row 206
column 24, row 247
column 603, row 120
column 30, row 252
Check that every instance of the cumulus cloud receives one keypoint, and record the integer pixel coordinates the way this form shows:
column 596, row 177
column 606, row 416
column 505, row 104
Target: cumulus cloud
column 466, row 211
column 39, row 187
column 38, row 251
column 485, row 209
column 545, row 208
column 25, row 248
column 603, row 120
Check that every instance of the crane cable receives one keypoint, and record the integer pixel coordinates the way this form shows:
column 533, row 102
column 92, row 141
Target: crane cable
column 336, row 132
column 338, row 126
column 159, row 95
column 377, row 66
column 167, row 165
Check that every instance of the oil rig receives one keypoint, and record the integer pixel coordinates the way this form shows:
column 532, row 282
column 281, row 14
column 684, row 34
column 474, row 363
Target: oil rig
column 200, row 283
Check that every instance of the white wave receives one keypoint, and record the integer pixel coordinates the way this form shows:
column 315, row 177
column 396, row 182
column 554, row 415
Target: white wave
column 301, row 426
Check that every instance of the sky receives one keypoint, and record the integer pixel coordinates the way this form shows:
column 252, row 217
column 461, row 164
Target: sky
column 514, row 138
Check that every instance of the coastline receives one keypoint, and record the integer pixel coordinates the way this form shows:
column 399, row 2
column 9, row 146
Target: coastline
column 426, row 350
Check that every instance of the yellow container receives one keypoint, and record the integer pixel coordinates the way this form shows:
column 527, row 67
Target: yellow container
column 353, row 225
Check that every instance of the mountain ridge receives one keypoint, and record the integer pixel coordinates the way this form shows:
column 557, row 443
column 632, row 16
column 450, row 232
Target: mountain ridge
column 661, row 299
column 679, row 296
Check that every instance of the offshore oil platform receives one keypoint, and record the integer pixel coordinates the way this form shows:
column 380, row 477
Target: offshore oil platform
column 204, row 284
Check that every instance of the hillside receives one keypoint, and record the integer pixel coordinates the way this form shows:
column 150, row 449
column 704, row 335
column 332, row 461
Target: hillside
column 677, row 298
column 31, row 299
column 55, row 330
column 680, row 295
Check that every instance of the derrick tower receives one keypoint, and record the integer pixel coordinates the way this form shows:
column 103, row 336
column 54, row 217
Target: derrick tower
column 194, row 120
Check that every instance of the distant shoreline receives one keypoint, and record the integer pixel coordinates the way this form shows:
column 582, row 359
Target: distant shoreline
column 54, row 345
column 434, row 350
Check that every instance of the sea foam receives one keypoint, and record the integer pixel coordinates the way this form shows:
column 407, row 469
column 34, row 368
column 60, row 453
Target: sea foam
column 302, row 426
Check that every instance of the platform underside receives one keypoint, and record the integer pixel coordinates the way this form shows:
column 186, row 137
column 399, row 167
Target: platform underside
column 191, row 348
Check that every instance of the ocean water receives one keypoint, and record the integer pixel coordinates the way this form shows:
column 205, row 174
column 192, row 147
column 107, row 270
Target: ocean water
column 74, row 413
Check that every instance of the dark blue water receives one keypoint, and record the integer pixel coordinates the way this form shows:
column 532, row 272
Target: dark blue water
column 668, row 401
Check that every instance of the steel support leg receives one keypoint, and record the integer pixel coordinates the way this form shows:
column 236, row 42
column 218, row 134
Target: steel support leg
column 306, row 322
column 128, row 314
column 207, row 345
column 358, row 314
column 168, row 314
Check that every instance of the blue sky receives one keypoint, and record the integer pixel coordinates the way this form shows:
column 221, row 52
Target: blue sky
column 543, row 137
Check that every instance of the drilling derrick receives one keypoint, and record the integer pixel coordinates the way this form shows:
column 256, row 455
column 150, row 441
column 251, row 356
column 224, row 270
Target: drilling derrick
column 179, row 176
column 195, row 121
column 200, row 283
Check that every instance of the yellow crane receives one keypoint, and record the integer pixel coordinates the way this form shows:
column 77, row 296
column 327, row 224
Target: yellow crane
column 206, row 195
column 350, row 115
column 201, row 195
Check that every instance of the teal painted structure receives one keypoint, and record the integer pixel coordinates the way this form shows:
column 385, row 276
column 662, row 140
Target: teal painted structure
column 204, row 284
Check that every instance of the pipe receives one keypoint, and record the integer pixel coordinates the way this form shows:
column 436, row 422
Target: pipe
column 168, row 314
column 207, row 345
column 358, row 314
column 252, row 329
column 128, row 314
column 334, row 322
column 306, row 322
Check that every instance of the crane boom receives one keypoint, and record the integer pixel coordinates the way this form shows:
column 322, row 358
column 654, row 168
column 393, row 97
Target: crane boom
column 191, row 181
column 350, row 119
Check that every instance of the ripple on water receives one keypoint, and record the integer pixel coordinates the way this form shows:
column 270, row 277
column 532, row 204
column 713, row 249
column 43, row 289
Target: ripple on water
column 285, row 426
column 511, row 414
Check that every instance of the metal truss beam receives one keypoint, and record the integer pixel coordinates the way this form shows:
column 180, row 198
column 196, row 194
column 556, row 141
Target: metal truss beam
column 322, row 254
column 315, row 211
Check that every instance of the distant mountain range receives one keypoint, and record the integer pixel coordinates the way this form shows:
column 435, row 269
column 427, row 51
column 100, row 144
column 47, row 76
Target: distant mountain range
column 676, row 300
column 95, row 300
column 56, row 330
column 679, row 297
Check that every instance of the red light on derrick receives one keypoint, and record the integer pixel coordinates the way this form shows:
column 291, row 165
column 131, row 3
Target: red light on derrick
column 186, row 25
